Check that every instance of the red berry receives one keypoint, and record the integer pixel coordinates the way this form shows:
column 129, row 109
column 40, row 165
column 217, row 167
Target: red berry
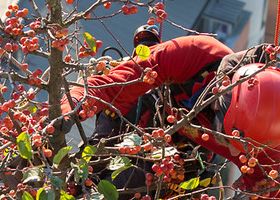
column 235, row 133
column 243, row 159
column 243, row 169
column 47, row 153
column 171, row 119
column 99, row 44
column 167, row 138
column 204, row 197
column 107, row 5
column 205, row 137
column 8, row 46
column 137, row 195
column 215, row 90
column 50, row 129
column 88, row 182
column 159, row 5
column 70, row 1
column 125, row 9
column 273, row 174
column 252, row 162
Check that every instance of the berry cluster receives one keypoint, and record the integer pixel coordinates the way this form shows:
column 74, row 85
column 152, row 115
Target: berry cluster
column 272, row 51
column 101, row 68
column 29, row 44
column 13, row 25
column 87, row 111
column 171, row 168
column 60, row 43
column 11, row 47
column 160, row 13
column 150, row 76
column 159, row 134
column 33, row 79
column 129, row 9
column 249, row 164
column 207, row 197
column 85, row 51
column 225, row 83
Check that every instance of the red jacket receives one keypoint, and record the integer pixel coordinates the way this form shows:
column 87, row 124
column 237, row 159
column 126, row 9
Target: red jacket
column 175, row 61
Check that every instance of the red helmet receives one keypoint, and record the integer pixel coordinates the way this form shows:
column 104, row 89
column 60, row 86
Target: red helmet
column 147, row 35
column 255, row 106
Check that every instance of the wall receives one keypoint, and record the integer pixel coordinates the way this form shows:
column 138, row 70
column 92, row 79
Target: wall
column 258, row 9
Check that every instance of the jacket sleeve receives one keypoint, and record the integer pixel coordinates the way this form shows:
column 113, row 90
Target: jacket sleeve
column 175, row 61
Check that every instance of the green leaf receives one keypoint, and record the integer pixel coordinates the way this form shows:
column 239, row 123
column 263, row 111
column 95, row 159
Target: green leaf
column 57, row 182
column 45, row 194
column 200, row 161
column 65, row 196
column 88, row 152
column 118, row 171
column 118, row 162
column 190, row 184
column 24, row 145
column 81, row 170
column 108, row 190
column 143, row 52
column 26, row 196
column 205, row 182
column 33, row 174
column 60, row 155
column 90, row 41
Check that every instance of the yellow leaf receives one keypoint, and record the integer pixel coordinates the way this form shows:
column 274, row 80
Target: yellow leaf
column 142, row 51
column 205, row 182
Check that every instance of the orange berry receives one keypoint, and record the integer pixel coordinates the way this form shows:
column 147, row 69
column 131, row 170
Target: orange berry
column 243, row 169
column 15, row 7
column 8, row 14
column 243, row 159
column 171, row 119
column 273, row 174
column 107, row 5
column 250, row 170
column 70, row 1
column 215, row 90
column 205, row 137
column 50, row 129
column 88, row 182
column 252, row 162
column 153, row 74
column 47, row 153
column 167, row 138
column 235, row 133
column 25, row 11
column 100, row 66
column 180, row 177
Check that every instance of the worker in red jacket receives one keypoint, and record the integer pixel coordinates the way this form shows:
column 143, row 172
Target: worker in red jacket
column 245, row 109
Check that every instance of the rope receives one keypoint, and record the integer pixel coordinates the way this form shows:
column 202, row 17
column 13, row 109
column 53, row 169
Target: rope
column 276, row 35
column 161, row 25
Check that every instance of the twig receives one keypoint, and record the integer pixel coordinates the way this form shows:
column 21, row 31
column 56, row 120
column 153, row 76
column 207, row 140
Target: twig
column 189, row 30
column 77, row 121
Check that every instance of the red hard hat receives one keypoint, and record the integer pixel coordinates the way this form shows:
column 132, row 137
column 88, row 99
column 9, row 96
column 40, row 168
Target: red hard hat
column 255, row 106
column 147, row 35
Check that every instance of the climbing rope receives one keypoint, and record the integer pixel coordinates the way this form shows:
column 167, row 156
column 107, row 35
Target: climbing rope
column 161, row 24
column 276, row 35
